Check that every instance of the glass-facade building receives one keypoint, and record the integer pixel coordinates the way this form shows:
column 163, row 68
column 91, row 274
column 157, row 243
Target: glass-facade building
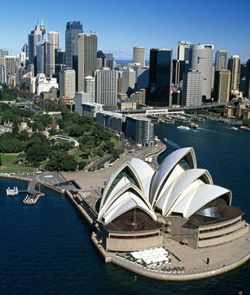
column 160, row 77
column 71, row 41
column 140, row 130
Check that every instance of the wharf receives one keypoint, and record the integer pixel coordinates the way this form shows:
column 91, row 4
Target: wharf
column 33, row 195
column 194, row 118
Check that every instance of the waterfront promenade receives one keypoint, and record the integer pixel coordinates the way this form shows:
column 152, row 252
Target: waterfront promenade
column 95, row 180
column 186, row 263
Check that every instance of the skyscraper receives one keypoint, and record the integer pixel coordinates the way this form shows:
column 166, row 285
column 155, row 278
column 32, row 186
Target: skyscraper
column 59, row 62
column 87, row 57
column 182, row 57
column 67, row 83
column 106, row 87
column 160, row 77
column 89, row 87
column 222, row 85
column 220, row 60
column 71, row 41
column 139, row 55
column 128, row 80
column 43, row 56
column 247, row 82
column 234, row 67
column 201, row 59
column 33, row 38
column 110, row 62
column 4, row 52
column 192, row 88
column 54, row 39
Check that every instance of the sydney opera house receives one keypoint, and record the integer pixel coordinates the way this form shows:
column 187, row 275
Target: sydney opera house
column 140, row 206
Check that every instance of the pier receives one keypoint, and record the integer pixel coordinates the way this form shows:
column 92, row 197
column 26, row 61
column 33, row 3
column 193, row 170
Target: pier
column 33, row 195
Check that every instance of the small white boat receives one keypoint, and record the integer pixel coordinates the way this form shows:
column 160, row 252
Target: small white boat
column 245, row 127
column 234, row 128
column 183, row 127
column 12, row 191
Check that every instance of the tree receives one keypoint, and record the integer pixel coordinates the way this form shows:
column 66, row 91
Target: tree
column 37, row 153
column 82, row 165
column 70, row 164
column 15, row 129
column 24, row 135
column 1, row 163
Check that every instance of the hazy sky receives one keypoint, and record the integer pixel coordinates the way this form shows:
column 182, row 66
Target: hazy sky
column 121, row 25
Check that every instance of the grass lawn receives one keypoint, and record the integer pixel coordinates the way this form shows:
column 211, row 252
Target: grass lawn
column 16, row 169
column 115, row 141
column 8, row 158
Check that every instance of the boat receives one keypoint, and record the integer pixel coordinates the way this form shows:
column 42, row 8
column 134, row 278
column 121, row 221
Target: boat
column 234, row 128
column 193, row 125
column 12, row 191
column 183, row 127
column 245, row 127
column 165, row 139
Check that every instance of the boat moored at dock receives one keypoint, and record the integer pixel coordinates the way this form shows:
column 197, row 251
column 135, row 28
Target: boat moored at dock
column 12, row 192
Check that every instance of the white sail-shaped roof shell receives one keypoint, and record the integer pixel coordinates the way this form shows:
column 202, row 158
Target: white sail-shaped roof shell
column 124, row 203
column 200, row 196
column 177, row 187
column 178, row 184
column 136, row 177
column 145, row 172
column 166, row 167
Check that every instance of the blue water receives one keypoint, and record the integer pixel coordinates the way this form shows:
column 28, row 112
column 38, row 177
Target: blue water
column 46, row 249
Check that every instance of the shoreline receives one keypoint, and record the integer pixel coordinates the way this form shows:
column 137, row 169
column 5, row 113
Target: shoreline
column 223, row 258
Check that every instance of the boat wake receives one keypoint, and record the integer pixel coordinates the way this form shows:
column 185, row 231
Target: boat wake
column 173, row 144
column 208, row 130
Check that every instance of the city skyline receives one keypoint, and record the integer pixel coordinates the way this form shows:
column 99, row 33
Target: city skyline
column 121, row 26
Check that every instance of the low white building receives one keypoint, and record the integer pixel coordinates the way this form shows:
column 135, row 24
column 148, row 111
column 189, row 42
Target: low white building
column 44, row 84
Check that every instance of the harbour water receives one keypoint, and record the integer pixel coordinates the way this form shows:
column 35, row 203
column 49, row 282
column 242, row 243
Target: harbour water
column 46, row 249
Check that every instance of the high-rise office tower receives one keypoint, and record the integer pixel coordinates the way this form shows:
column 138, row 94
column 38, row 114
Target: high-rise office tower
column 201, row 59
column 220, row 60
column 110, row 62
column 2, row 74
column 128, row 80
column 247, row 81
column 43, row 57
column 160, row 77
column 87, row 57
column 11, row 64
column 54, row 39
column 222, row 86
column 59, row 62
column 234, row 67
column 89, row 87
column 67, row 83
column 139, row 55
column 73, row 29
column 101, row 60
column 33, row 38
column 182, row 58
column 106, row 86
column 142, row 78
column 192, row 88
column 4, row 52
column 25, row 49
